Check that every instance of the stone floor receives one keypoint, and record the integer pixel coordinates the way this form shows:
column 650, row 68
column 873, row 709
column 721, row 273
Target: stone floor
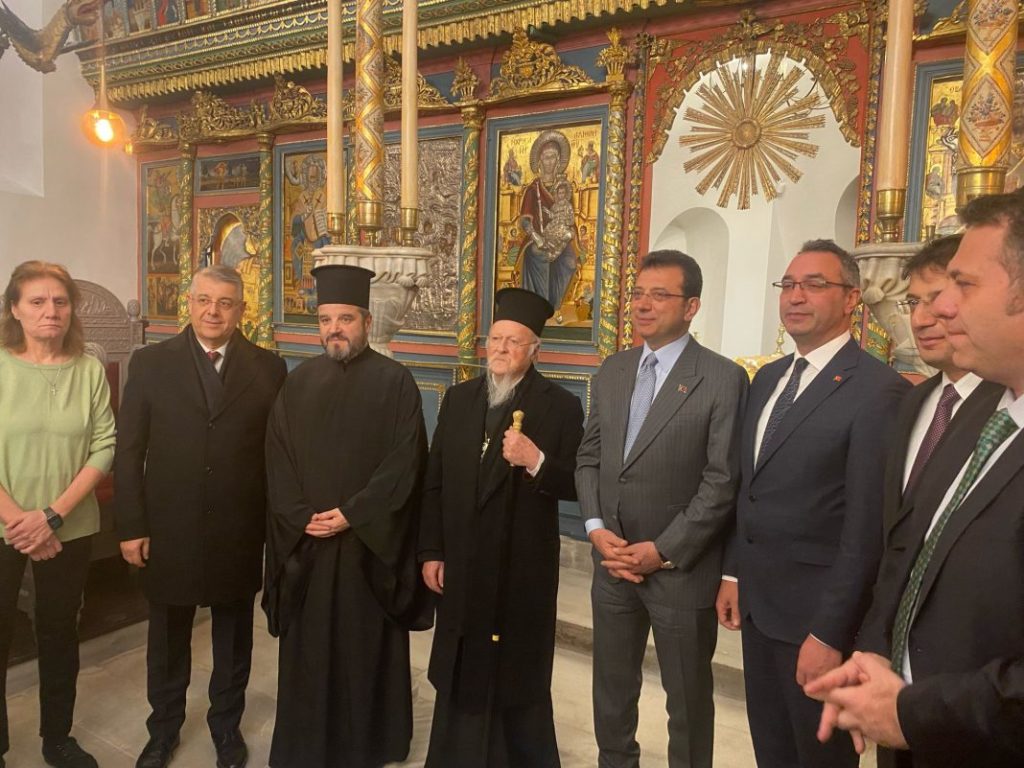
column 112, row 707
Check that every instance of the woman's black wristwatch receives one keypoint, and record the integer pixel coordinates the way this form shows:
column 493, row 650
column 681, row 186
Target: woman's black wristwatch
column 54, row 520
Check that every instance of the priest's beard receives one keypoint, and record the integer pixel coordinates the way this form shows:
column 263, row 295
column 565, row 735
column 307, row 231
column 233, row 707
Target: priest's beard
column 500, row 388
column 347, row 349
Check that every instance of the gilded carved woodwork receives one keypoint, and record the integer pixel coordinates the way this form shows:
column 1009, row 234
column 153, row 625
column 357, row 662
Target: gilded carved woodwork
column 473, row 122
column 824, row 52
column 264, row 238
column 368, row 131
column 214, row 119
column 533, row 68
column 465, row 83
column 867, row 163
column 752, row 125
column 186, row 185
column 290, row 36
column 39, row 48
column 615, row 174
column 644, row 45
column 290, row 107
column 427, row 95
column 955, row 24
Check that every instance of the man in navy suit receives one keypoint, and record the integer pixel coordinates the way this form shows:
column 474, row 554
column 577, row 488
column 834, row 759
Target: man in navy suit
column 940, row 679
column 808, row 531
column 929, row 410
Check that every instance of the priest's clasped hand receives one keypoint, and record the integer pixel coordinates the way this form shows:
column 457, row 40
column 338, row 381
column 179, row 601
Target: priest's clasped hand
column 519, row 450
column 323, row 525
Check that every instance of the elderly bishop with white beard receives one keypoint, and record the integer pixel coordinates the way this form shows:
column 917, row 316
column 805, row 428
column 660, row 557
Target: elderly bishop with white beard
column 489, row 547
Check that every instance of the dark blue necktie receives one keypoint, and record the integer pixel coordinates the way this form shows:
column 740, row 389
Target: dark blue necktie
column 783, row 404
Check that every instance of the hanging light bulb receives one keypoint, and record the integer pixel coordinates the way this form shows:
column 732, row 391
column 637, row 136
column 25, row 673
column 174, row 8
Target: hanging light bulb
column 101, row 125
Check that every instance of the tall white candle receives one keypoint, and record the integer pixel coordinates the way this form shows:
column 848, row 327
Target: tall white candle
column 897, row 87
column 335, row 111
column 410, row 107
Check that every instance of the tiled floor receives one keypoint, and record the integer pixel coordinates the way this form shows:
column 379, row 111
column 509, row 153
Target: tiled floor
column 112, row 708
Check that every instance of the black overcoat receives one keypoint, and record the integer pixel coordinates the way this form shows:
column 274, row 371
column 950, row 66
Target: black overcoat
column 193, row 479
column 464, row 511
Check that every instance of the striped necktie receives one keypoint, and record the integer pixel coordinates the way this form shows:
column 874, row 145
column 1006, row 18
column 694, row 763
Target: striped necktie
column 783, row 404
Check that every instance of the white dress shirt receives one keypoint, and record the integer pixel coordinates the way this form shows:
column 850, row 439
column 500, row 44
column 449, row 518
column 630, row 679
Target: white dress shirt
column 223, row 349
column 817, row 359
column 665, row 360
column 964, row 387
column 1015, row 407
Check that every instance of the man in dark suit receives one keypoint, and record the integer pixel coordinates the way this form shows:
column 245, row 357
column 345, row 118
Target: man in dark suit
column 808, row 518
column 928, row 410
column 190, row 504
column 656, row 476
column 489, row 546
column 941, row 678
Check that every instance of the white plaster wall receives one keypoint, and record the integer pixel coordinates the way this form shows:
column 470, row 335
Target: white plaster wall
column 74, row 203
column 762, row 239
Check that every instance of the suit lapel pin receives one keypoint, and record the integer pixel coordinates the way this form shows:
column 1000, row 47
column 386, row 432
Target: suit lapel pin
column 683, row 389
column 837, row 379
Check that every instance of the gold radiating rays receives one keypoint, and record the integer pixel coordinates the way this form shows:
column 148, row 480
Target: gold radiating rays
column 751, row 127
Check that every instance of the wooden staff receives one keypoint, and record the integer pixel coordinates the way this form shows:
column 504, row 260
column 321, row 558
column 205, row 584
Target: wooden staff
column 506, row 535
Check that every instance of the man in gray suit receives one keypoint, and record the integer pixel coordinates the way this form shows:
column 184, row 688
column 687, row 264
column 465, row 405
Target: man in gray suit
column 656, row 475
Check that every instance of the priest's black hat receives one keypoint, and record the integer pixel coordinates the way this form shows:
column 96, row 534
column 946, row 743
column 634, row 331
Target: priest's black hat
column 343, row 284
column 524, row 307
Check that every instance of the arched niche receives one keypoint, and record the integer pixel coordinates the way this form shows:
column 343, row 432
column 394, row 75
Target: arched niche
column 846, row 216
column 708, row 233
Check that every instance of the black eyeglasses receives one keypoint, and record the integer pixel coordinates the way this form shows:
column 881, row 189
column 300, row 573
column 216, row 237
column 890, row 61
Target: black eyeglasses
column 813, row 285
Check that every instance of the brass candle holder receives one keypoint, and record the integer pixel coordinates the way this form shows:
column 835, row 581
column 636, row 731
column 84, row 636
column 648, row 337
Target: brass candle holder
column 889, row 208
column 410, row 223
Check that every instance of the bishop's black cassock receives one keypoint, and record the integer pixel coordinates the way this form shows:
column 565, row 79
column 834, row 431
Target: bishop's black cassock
column 496, row 529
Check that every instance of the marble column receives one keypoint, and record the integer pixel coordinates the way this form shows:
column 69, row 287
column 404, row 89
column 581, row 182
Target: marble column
column 986, row 101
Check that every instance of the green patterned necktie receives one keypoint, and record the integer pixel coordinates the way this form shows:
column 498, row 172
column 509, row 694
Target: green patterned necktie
column 999, row 427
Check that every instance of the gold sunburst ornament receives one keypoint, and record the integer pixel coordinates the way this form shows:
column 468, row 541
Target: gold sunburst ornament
column 751, row 127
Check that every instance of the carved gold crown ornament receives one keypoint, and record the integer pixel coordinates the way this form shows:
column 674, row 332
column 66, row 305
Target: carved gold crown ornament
column 751, row 127
column 534, row 67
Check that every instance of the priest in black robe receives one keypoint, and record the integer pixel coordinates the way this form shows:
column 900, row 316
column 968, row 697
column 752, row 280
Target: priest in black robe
column 346, row 450
column 489, row 546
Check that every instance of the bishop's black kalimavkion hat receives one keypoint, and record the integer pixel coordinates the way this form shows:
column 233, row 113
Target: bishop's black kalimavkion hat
column 524, row 307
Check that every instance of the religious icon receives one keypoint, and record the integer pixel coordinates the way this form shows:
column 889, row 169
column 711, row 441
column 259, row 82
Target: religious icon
column 161, row 216
column 938, row 185
column 303, row 230
column 548, row 210
column 228, row 174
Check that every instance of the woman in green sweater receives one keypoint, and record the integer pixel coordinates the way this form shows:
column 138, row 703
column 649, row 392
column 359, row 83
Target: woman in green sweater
column 56, row 444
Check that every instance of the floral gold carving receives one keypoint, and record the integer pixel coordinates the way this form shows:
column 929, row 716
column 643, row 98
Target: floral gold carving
column 427, row 95
column 466, row 82
column 292, row 103
column 530, row 67
column 212, row 117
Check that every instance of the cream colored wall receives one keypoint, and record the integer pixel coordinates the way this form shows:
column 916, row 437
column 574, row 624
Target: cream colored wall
column 739, row 315
column 61, row 199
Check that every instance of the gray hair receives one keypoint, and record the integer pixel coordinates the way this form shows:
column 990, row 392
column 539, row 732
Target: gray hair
column 221, row 273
